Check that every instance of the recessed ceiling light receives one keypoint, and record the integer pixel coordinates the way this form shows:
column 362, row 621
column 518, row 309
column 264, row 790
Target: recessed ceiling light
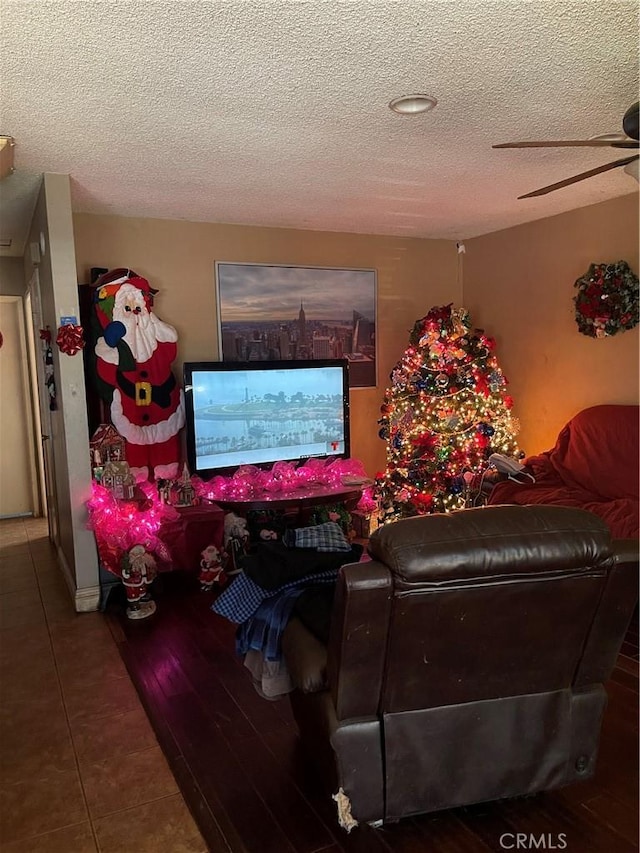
column 412, row 104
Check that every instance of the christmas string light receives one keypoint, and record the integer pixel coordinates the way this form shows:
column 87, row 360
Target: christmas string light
column 443, row 416
column 119, row 525
column 250, row 482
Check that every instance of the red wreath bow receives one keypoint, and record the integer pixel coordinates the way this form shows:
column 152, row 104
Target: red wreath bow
column 70, row 339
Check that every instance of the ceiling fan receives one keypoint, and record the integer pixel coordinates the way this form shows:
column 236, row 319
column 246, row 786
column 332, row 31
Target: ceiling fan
column 628, row 139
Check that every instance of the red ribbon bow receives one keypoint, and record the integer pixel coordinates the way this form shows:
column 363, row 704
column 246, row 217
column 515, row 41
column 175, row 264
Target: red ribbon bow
column 70, row 339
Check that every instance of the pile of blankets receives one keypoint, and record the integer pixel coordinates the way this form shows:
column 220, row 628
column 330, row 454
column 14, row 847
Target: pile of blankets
column 297, row 574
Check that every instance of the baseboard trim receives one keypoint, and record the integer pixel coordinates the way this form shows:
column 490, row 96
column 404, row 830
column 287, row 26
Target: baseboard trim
column 85, row 600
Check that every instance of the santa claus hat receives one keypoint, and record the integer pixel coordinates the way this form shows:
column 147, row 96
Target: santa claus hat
column 109, row 283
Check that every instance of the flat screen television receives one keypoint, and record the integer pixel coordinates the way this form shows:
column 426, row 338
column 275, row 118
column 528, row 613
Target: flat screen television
column 261, row 412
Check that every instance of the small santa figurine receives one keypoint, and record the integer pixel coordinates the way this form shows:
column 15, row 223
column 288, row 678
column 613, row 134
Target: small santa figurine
column 236, row 542
column 134, row 352
column 138, row 569
column 211, row 571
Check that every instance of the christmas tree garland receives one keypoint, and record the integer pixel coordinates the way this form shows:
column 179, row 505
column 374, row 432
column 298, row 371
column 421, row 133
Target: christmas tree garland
column 607, row 300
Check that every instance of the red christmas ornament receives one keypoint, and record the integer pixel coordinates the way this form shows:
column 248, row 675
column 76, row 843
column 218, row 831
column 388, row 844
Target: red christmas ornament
column 442, row 312
column 423, row 501
column 425, row 440
column 70, row 339
column 482, row 386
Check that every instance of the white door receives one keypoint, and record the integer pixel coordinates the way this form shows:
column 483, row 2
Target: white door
column 38, row 356
column 17, row 464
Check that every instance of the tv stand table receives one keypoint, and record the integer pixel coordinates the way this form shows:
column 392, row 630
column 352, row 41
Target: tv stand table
column 297, row 502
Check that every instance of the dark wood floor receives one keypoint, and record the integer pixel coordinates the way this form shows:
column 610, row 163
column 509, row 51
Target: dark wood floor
column 236, row 759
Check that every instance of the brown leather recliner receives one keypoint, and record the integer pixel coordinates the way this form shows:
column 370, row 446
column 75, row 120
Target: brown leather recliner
column 466, row 661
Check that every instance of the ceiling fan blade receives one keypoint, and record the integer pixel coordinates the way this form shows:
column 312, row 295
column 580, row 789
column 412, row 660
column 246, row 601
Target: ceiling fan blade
column 573, row 143
column 567, row 181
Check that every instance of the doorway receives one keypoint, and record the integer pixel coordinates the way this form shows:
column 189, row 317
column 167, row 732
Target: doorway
column 41, row 400
column 19, row 492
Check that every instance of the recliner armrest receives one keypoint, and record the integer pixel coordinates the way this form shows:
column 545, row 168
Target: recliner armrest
column 619, row 598
column 358, row 638
column 626, row 551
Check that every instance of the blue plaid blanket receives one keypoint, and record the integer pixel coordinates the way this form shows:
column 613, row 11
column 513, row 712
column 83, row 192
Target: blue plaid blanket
column 262, row 614
column 263, row 631
column 243, row 597
column 323, row 537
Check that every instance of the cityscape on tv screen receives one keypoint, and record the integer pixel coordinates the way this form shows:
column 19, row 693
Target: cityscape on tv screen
column 252, row 417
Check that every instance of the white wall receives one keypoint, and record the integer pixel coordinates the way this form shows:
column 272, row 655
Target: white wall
column 11, row 277
column 69, row 427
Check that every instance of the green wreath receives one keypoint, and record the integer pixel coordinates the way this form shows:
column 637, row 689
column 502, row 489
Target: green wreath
column 607, row 300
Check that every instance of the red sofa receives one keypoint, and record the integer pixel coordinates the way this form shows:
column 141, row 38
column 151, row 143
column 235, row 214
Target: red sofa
column 594, row 465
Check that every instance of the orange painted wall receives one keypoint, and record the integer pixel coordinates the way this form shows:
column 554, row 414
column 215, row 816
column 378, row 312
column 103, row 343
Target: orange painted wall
column 178, row 258
column 518, row 284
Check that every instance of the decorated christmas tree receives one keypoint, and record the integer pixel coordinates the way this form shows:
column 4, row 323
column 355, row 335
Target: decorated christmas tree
column 446, row 412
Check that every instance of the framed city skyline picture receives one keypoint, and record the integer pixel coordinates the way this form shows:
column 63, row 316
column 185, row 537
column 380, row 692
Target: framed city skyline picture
column 270, row 312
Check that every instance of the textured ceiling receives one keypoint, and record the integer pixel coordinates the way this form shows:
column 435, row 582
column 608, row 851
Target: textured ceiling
column 274, row 112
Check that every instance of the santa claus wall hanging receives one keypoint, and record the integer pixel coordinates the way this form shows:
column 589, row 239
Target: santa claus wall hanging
column 134, row 351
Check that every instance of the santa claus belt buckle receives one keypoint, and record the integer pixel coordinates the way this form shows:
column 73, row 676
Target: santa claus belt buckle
column 143, row 393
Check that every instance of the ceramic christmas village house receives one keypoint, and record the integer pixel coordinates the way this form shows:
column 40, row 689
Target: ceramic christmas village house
column 179, row 492
column 117, row 477
column 106, row 445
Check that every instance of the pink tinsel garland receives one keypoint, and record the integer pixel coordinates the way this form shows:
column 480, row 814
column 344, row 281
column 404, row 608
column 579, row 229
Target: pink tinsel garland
column 283, row 478
column 119, row 525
